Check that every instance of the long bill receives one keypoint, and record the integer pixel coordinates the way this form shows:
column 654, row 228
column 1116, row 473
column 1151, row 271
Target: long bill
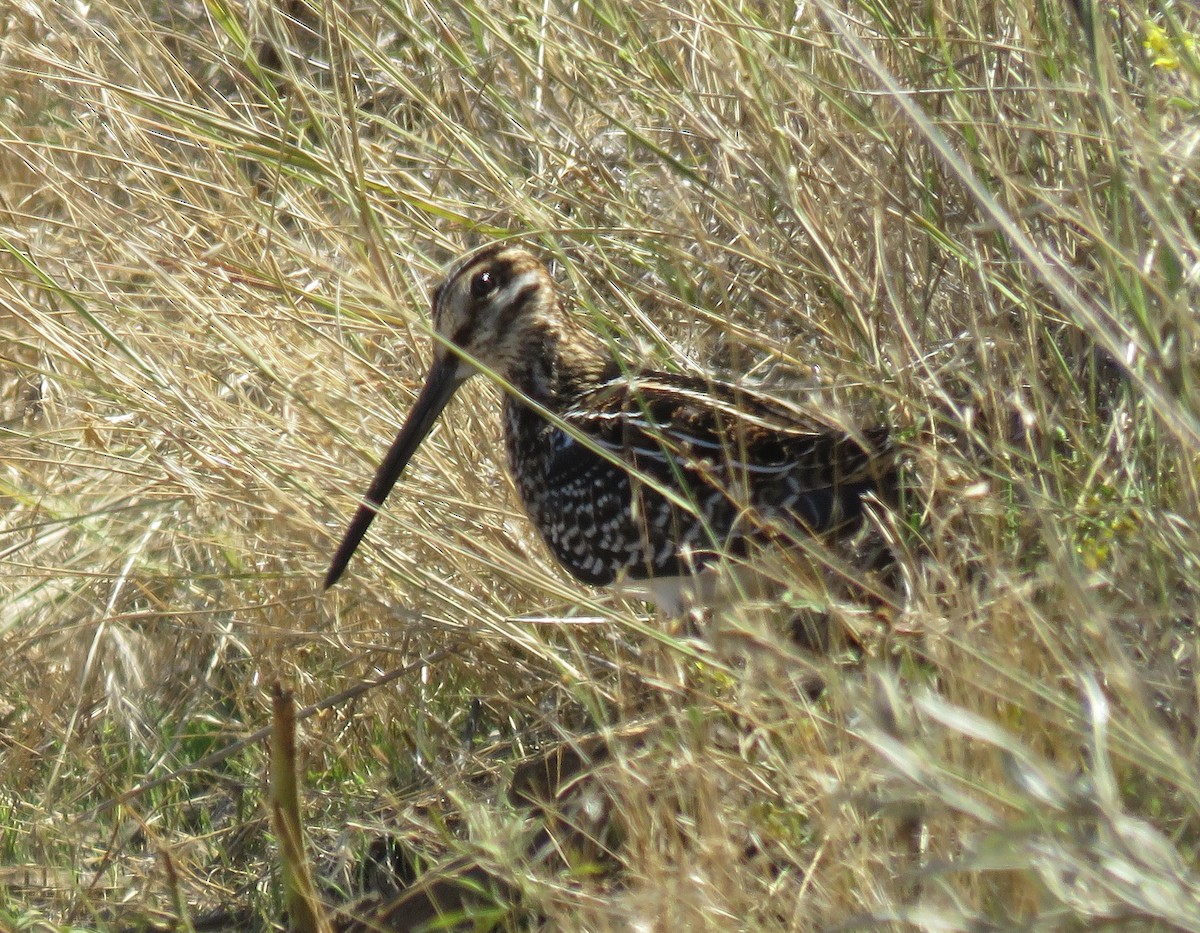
column 440, row 385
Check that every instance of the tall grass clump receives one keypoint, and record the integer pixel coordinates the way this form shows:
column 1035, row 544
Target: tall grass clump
column 976, row 222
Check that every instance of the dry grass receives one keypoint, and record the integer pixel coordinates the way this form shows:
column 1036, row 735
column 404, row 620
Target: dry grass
column 217, row 226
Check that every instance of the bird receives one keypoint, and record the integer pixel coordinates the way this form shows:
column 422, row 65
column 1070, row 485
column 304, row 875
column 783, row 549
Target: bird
column 629, row 474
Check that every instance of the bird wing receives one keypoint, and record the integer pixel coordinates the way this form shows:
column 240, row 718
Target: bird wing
column 665, row 423
column 713, row 442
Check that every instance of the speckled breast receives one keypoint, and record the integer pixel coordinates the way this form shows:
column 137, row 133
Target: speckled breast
column 583, row 504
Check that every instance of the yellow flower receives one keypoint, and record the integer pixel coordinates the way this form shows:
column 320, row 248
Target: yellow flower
column 1158, row 43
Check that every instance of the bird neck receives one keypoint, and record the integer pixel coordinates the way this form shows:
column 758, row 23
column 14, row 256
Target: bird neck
column 561, row 361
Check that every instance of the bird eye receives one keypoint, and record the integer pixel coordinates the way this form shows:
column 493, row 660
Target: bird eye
column 483, row 284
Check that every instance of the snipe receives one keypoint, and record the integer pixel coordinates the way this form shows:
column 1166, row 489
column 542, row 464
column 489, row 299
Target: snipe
column 626, row 474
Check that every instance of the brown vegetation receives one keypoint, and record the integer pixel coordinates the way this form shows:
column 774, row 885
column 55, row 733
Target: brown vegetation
column 978, row 222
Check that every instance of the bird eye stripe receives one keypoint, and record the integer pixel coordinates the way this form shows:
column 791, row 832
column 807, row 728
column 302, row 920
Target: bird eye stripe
column 517, row 304
column 519, row 283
